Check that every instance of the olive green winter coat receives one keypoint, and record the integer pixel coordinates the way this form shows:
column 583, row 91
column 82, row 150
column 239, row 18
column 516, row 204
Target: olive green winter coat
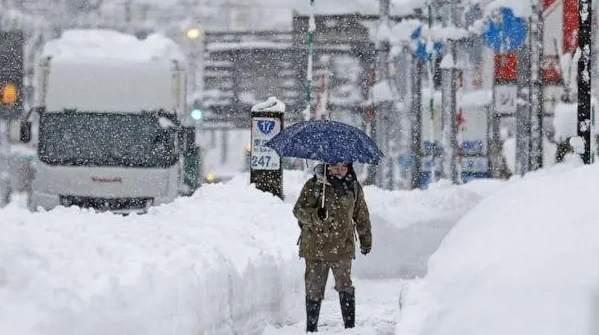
column 334, row 238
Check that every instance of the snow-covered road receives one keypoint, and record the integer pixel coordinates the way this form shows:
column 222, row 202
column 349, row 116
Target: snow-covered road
column 378, row 299
column 376, row 310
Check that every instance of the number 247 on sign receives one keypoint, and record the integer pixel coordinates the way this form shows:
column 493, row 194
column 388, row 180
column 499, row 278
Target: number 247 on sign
column 261, row 161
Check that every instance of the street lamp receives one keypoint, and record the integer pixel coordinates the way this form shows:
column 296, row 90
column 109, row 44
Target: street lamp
column 197, row 114
column 194, row 33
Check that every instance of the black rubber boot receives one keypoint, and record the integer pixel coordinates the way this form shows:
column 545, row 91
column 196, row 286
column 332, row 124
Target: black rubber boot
column 312, row 314
column 348, row 308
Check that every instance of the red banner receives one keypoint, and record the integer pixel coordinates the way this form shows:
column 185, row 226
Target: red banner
column 506, row 68
column 571, row 22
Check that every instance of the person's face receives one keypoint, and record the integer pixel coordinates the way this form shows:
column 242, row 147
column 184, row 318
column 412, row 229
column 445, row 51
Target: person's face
column 338, row 170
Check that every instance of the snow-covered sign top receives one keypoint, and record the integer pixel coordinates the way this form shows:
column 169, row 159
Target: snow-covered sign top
column 272, row 104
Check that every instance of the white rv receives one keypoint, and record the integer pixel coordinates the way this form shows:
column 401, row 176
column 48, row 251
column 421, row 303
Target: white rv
column 110, row 132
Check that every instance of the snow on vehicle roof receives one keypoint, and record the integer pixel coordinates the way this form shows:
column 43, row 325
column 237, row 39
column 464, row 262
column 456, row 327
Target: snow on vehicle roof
column 94, row 44
column 110, row 86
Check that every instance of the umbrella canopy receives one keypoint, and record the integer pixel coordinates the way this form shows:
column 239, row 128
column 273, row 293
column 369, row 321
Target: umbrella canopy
column 327, row 141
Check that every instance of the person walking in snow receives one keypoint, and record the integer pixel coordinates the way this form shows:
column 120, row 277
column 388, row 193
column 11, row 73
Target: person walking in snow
column 330, row 209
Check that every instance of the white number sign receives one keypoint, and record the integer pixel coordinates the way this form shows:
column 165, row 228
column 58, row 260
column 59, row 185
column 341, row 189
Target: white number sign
column 506, row 98
column 264, row 129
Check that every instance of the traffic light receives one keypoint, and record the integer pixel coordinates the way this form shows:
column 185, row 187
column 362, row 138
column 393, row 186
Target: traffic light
column 11, row 74
column 9, row 94
column 197, row 114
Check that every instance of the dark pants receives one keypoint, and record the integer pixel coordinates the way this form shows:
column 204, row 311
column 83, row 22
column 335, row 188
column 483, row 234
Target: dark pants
column 317, row 273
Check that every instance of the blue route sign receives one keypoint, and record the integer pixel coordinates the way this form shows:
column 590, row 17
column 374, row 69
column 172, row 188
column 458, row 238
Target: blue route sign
column 420, row 49
column 507, row 33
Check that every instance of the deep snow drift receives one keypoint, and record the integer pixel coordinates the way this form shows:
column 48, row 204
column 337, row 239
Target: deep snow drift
column 223, row 261
column 522, row 262
column 218, row 262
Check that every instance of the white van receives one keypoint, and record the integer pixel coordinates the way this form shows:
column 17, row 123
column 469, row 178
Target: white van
column 110, row 131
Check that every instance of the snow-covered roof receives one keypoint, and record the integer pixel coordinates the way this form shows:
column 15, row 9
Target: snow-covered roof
column 368, row 7
column 97, row 44
column 401, row 32
column 247, row 45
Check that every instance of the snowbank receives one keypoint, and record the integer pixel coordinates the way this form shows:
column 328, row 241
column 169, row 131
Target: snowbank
column 509, row 152
column 219, row 262
column 408, row 226
column 524, row 261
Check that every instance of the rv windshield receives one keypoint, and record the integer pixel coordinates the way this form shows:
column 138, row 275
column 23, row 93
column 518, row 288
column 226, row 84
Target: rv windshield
column 105, row 139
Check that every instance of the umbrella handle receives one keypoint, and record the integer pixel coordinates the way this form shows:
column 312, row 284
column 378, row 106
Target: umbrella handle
column 323, row 194
column 324, row 185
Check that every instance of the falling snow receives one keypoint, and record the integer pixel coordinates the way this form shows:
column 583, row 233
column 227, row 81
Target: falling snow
column 130, row 131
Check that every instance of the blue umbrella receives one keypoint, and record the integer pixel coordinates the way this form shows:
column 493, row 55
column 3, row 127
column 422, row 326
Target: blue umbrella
column 327, row 141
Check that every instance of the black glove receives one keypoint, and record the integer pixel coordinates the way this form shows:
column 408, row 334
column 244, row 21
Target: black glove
column 322, row 213
column 364, row 251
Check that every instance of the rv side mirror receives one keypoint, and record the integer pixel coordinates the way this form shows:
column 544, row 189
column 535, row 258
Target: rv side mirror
column 25, row 133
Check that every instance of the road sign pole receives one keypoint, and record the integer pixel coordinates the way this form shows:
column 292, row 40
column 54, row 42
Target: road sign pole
column 416, row 121
column 449, row 81
column 584, row 79
column 523, row 114
column 536, row 85
column 4, row 166
column 505, row 36
column 266, row 168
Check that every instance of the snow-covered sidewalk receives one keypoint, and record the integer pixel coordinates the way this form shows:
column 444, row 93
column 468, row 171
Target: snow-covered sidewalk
column 524, row 261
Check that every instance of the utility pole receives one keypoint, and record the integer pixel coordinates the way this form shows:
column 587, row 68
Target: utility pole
column 431, row 100
column 383, row 109
column 416, row 120
column 404, row 87
column 523, row 115
column 448, row 116
column 310, row 45
column 449, row 79
column 536, row 85
column 584, row 78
